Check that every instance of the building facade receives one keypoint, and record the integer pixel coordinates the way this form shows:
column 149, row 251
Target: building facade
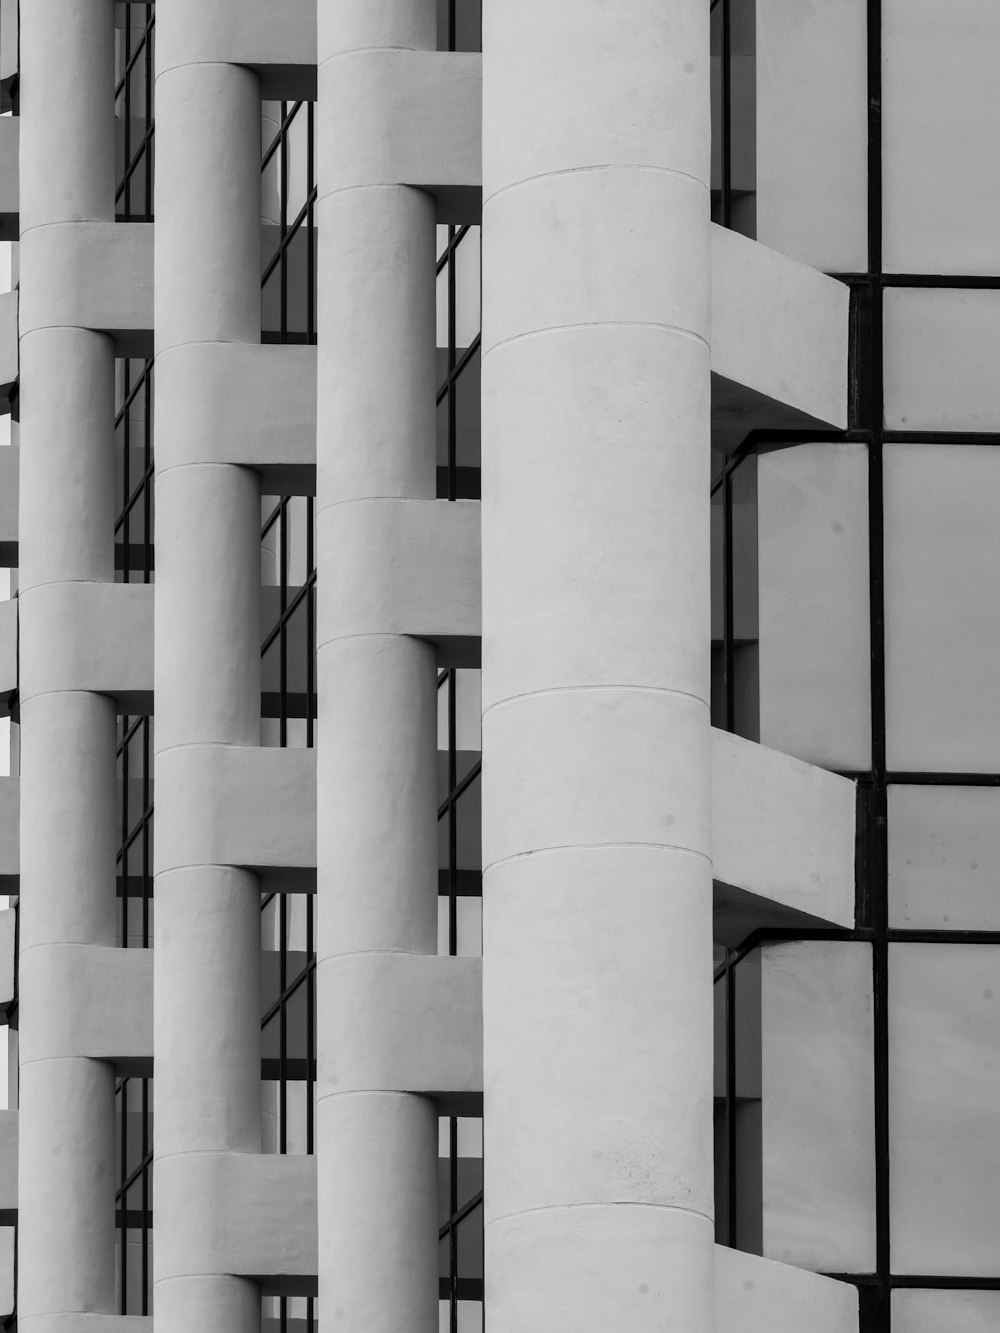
column 505, row 775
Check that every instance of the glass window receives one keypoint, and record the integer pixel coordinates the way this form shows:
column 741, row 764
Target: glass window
column 814, row 617
column 812, row 132
column 944, row 857
column 945, row 1311
column 818, row 1105
column 944, row 1089
column 288, row 218
column 942, row 581
column 733, row 95
column 941, row 192
column 134, row 86
column 940, row 369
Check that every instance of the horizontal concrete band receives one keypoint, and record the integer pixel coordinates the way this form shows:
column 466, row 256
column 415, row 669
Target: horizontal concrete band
column 88, row 1323
column 240, row 403
column 396, row 566
column 87, row 636
column 245, row 1214
column 88, row 1000
column 99, row 637
column 407, row 118
column 91, row 275
column 755, row 1295
column 400, row 1022
column 235, row 805
column 783, row 839
column 779, row 330
column 278, row 41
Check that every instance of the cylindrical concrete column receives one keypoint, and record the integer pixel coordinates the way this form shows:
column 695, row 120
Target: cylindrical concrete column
column 206, row 1011
column 597, row 886
column 377, row 853
column 66, row 1239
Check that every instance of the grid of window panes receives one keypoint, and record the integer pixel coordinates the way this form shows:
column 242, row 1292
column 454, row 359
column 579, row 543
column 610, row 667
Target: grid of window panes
column 134, row 78
column 460, row 932
column 288, row 666
column 134, row 873
column 460, row 1179
column 288, row 220
column 882, row 1042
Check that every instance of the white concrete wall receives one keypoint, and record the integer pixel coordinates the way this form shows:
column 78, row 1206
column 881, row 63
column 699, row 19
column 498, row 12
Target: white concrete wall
column 377, row 843
column 596, row 893
column 207, row 663
column 66, row 1198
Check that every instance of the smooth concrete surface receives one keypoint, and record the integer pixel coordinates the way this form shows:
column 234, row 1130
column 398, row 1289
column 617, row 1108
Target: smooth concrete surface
column 420, row 572
column 653, row 1258
column 207, row 663
column 278, row 42
column 424, row 109
column 88, row 1323
column 755, row 1295
column 67, row 464
column 260, row 1218
column 207, row 928
column 942, row 569
column 67, row 740
column 813, row 618
column 87, row 636
column 812, row 132
column 207, row 196
column 67, row 882
column 67, row 75
column 235, row 805
column 112, row 1016
column 596, row 796
column 780, row 329
column 377, row 846
column 382, row 1152
column 207, row 632
column 782, row 831
column 938, row 366
column 939, row 113
column 402, row 1022
column 65, row 1214
column 94, row 275
column 241, row 403
column 818, row 1135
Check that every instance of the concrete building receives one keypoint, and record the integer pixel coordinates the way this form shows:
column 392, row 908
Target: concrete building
column 549, row 614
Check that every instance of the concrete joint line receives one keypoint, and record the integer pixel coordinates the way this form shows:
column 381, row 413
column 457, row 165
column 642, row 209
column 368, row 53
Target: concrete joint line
column 601, row 166
column 606, row 1203
column 595, row 689
column 597, row 324
column 597, row 847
